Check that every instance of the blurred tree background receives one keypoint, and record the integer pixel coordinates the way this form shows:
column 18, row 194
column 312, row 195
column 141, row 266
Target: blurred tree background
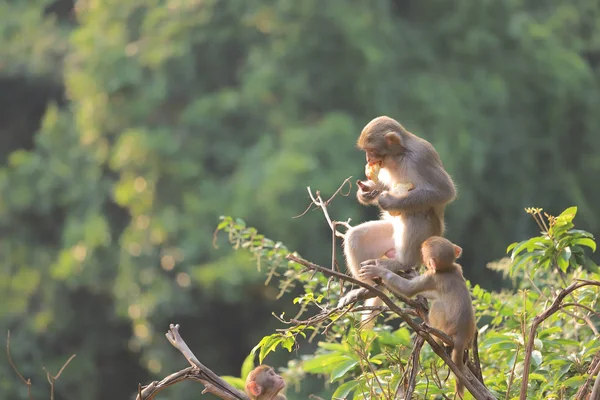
column 128, row 127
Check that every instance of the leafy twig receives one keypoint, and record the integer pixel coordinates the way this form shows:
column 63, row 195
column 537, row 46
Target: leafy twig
column 554, row 307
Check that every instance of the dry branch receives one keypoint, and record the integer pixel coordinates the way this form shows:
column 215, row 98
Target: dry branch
column 51, row 378
column 198, row 372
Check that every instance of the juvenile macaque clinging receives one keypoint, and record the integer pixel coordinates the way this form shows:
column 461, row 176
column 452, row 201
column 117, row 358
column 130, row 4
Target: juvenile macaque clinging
column 451, row 310
column 263, row 383
column 409, row 216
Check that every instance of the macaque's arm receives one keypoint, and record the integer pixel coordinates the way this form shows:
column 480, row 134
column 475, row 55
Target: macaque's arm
column 396, row 283
column 391, row 264
column 433, row 187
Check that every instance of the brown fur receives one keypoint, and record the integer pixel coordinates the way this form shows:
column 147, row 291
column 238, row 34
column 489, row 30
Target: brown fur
column 418, row 213
column 451, row 310
column 263, row 383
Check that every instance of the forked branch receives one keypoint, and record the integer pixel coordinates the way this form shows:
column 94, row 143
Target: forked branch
column 198, row 372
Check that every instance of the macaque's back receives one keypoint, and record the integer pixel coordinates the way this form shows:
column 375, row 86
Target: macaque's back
column 452, row 310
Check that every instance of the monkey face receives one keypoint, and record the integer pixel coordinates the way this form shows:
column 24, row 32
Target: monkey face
column 272, row 380
column 374, row 157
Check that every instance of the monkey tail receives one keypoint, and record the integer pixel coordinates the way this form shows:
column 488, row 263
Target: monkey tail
column 457, row 357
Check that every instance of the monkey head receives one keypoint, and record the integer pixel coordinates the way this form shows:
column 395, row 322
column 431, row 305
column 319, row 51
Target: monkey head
column 263, row 382
column 439, row 253
column 380, row 138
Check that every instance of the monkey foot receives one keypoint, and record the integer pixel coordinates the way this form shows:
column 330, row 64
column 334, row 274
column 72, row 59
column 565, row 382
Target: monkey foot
column 355, row 295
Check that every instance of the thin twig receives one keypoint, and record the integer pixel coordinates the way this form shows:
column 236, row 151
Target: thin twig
column 52, row 379
column 27, row 381
column 414, row 370
column 512, row 374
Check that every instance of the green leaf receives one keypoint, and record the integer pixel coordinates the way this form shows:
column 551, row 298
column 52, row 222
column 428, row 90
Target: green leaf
column 568, row 214
column 573, row 382
column 269, row 345
column 288, row 343
column 537, row 377
column 248, row 365
column 342, row 368
column 332, row 346
column 511, row 246
column 563, row 262
column 536, row 356
column 236, row 382
column 324, row 363
column 585, row 242
column 344, row 390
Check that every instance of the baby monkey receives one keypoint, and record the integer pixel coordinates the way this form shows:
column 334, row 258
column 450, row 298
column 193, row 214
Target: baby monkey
column 451, row 310
column 263, row 383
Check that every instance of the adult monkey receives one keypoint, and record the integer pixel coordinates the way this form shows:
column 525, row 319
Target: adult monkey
column 418, row 214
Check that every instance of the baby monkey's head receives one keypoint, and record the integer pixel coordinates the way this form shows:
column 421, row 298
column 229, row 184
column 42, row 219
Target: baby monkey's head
column 439, row 254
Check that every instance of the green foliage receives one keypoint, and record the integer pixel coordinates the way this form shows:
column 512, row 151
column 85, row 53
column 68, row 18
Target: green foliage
column 372, row 364
column 560, row 245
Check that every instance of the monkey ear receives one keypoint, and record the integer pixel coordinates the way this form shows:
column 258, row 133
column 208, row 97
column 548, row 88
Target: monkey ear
column 393, row 139
column 431, row 264
column 253, row 387
column 457, row 251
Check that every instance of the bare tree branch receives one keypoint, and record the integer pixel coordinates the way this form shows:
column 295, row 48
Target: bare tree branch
column 14, row 367
column 198, row 372
column 51, row 378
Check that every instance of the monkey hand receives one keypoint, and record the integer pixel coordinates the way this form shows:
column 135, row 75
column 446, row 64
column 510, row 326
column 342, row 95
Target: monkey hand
column 371, row 269
column 368, row 192
column 391, row 264
column 388, row 202
column 353, row 296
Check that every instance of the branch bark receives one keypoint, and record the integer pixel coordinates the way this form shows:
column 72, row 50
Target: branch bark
column 593, row 369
